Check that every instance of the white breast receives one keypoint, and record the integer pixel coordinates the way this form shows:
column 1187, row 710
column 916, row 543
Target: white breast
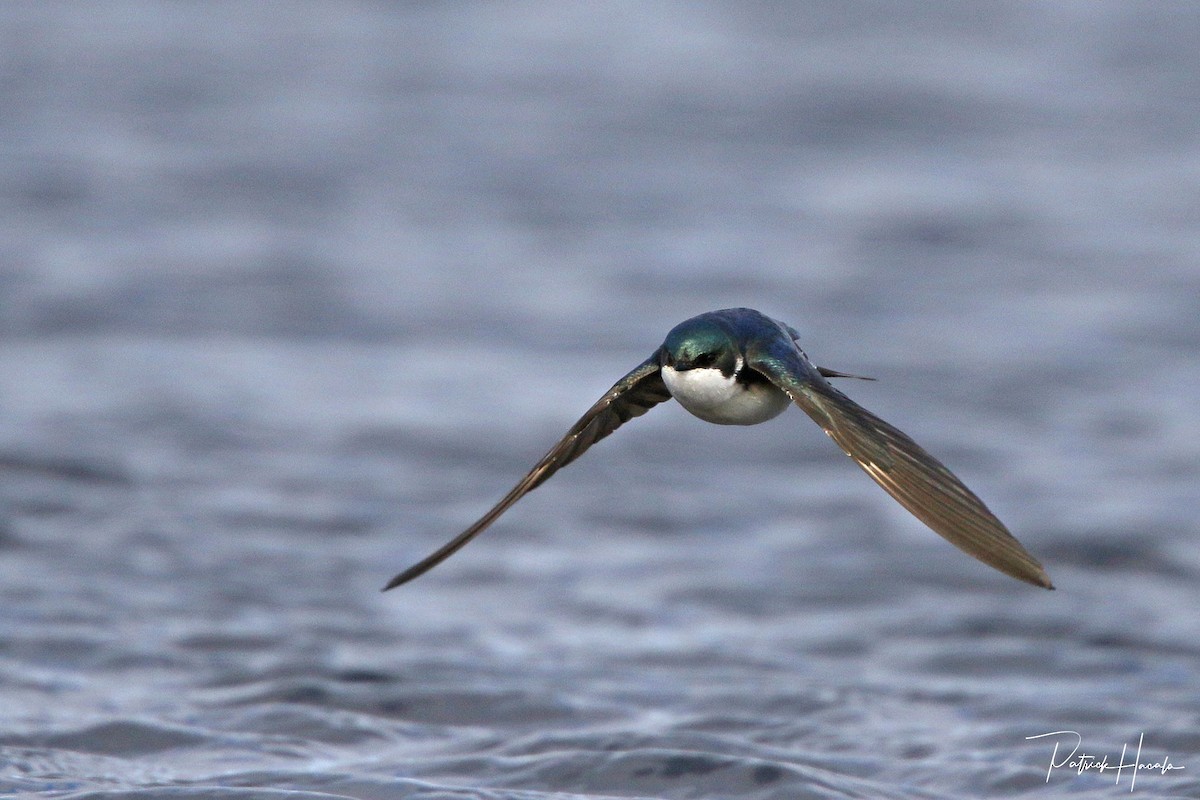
column 713, row 397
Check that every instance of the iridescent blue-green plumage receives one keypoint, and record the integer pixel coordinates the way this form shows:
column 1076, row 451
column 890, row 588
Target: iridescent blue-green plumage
column 737, row 366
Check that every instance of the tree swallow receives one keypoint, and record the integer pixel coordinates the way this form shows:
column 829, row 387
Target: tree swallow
column 739, row 367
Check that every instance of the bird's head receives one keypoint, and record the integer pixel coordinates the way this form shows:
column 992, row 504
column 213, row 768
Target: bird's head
column 700, row 343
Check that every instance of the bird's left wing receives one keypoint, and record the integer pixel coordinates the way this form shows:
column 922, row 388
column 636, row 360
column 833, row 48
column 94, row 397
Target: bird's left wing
column 917, row 480
column 630, row 397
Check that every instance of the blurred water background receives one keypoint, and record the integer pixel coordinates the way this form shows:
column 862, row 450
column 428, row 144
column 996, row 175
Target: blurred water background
column 291, row 293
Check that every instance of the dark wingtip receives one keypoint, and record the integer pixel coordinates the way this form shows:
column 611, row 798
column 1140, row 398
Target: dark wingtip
column 399, row 580
column 1036, row 576
column 402, row 578
column 1017, row 563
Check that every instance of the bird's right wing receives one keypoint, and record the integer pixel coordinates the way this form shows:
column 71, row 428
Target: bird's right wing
column 630, row 397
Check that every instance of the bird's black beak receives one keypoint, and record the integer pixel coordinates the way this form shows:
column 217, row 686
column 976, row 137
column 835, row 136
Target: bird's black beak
column 679, row 366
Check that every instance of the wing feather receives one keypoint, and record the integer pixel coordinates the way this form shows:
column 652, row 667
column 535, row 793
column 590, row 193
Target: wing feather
column 630, row 397
column 917, row 480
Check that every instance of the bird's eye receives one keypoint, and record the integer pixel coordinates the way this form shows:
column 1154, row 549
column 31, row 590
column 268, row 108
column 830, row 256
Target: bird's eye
column 705, row 359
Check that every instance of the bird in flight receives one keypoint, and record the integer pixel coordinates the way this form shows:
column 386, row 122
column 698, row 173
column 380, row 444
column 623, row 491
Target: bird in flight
column 739, row 367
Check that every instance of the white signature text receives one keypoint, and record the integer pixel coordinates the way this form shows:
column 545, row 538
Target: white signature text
column 1081, row 761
